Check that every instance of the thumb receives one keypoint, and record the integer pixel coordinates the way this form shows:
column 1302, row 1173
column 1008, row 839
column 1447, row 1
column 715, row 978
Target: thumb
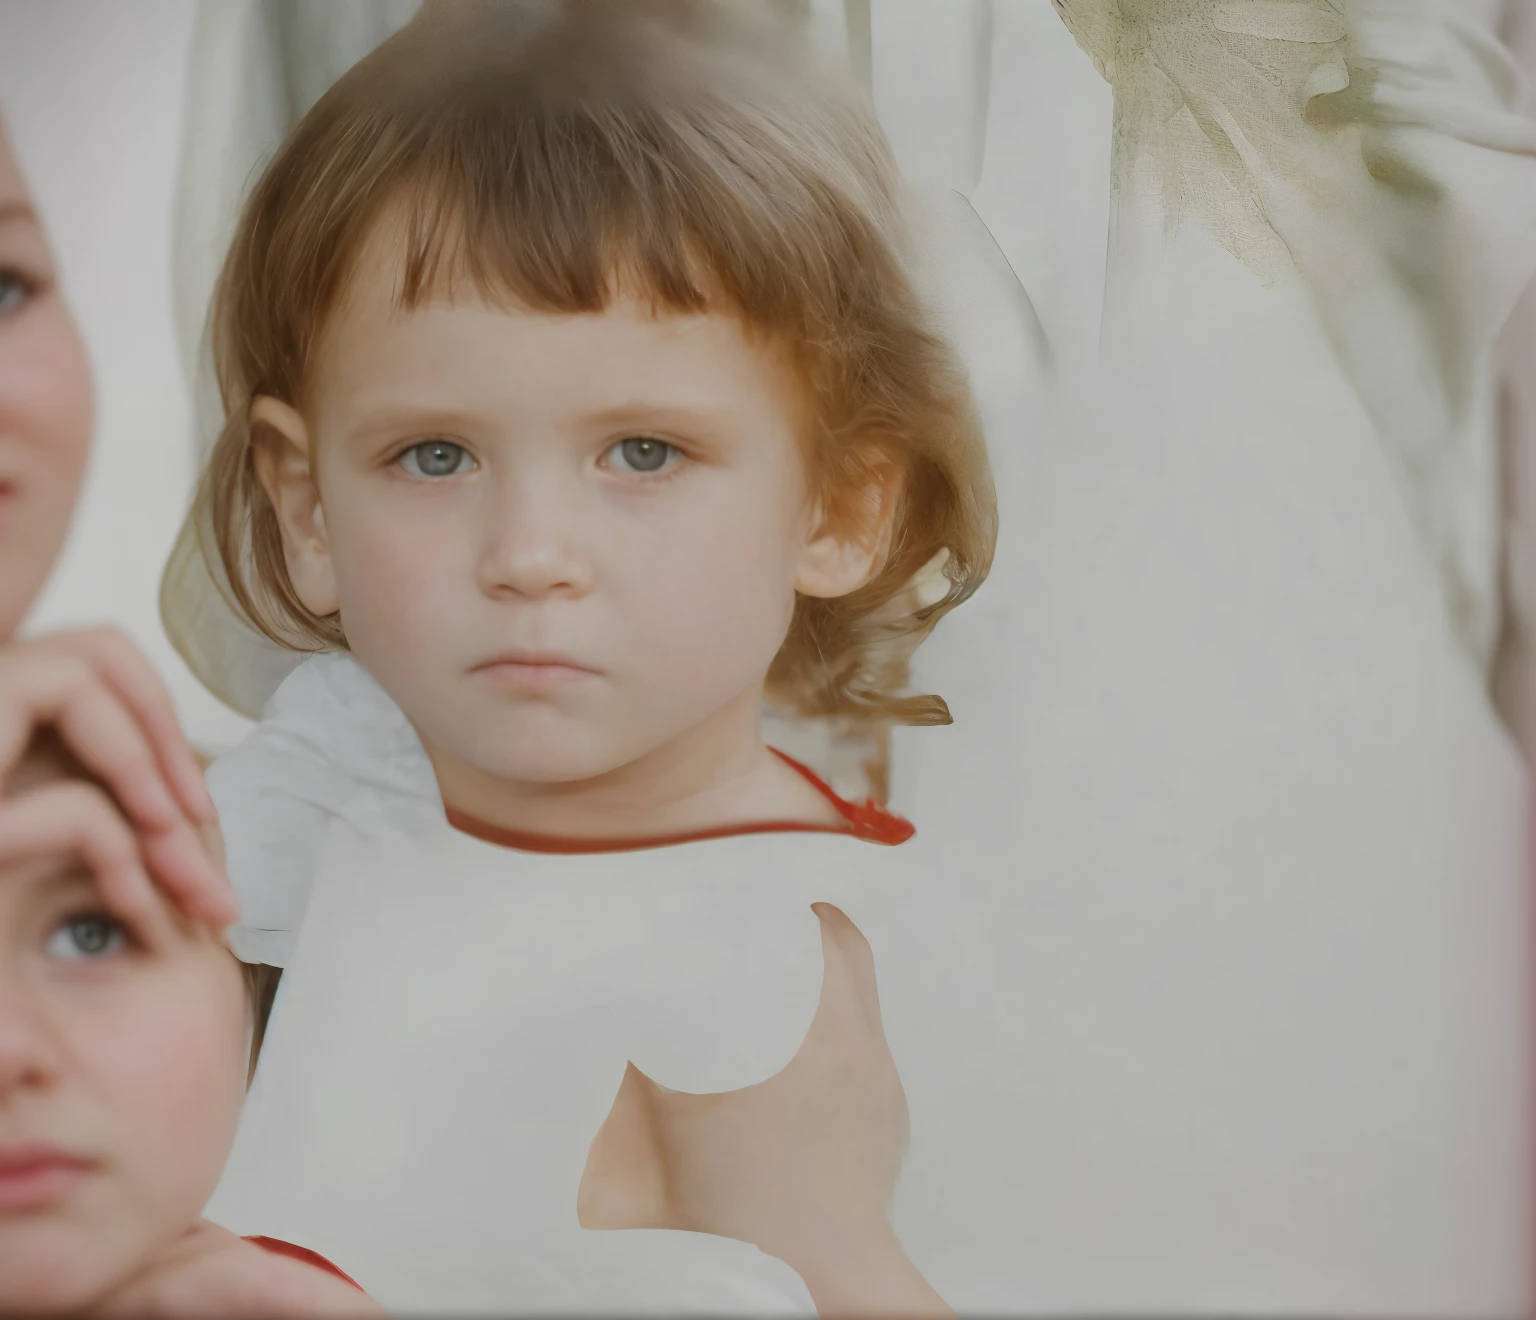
column 850, row 996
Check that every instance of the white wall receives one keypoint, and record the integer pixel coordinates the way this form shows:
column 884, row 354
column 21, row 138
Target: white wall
column 92, row 92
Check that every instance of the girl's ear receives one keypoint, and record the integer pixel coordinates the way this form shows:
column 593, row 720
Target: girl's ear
column 851, row 537
column 280, row 450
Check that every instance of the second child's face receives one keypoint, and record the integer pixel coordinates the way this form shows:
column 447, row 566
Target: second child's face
column 122, row 1071
column 559, row 541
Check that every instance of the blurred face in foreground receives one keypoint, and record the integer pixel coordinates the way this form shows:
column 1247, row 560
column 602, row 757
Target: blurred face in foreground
column 45, row 403
column 122, row 1071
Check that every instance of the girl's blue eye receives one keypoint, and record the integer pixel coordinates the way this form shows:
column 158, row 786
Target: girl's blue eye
column 83, row 938
column 436, row 458
column 643, row 454
column 14, row 291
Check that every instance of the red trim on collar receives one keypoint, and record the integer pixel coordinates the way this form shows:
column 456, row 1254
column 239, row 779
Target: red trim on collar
column 303, row 1254
column 863, row 820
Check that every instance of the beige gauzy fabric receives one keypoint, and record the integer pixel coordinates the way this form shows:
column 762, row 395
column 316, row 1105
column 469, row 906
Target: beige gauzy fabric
column 1517, row 418
column 1376, row 150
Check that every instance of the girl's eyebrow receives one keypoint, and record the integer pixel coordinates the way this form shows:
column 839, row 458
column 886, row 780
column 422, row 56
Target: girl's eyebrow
column 61, row 882
column 386, row 421
column 389, row 421
column 16, row 211
column 72, row 885
column 652, row 410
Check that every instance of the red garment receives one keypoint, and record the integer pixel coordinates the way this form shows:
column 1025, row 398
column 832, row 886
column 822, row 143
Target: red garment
column 280, row 1248
column 864, row 820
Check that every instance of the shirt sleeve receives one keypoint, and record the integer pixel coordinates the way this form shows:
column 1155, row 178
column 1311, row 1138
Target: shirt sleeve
column 329, row 736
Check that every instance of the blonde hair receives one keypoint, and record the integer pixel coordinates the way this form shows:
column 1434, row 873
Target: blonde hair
column 552, row 152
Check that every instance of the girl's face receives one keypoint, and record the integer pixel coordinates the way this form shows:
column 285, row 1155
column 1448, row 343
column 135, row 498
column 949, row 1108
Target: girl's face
column 122, row 1071
column 45, row 404
column 562, row 543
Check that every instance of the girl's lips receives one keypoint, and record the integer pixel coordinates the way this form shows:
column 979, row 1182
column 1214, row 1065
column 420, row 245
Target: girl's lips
column 534, row 675
column 34, row 1180
column 534, row 671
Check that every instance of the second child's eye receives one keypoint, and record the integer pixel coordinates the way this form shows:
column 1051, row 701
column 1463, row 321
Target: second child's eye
column 82, row 938
column 436, row 458
column 14, row 292
column 642, row 454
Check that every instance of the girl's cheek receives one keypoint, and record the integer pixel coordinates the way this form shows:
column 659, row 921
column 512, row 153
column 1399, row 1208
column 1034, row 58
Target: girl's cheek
column 52, row 385
column 399, row 571
column 46, row 412
column 171, row 1067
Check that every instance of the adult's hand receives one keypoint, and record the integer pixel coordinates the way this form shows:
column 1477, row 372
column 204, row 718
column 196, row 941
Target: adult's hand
column 803, row 1166
column 113, row 714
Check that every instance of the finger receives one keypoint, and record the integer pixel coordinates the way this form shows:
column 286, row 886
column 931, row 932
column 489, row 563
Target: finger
column 849, row 963
column 179, row 859
column 63, row 691
column 41, row 680
column 108, row 741
column 130, row 675
column 845, row 1058
column 79, row 819
column 845, row 1035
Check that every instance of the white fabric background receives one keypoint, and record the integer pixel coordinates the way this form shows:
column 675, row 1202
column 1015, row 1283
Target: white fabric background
column 1516, row 688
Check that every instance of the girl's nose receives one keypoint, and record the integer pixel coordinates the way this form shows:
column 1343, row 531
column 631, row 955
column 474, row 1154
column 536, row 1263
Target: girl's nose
column 28, row 1056
column 535, row 544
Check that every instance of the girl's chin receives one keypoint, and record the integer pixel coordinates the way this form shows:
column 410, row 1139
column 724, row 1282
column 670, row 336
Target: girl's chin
column 488, row 769
column 555, row 772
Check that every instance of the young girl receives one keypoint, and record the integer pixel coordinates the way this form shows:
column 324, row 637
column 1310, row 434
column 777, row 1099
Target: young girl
column 578, row 403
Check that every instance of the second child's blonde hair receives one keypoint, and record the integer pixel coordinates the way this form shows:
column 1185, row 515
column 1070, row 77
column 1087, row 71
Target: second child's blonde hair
column 555, row 153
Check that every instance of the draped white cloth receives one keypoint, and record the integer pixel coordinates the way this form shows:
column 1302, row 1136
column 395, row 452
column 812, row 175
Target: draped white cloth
column 1517, row 678
column 1221, row 869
